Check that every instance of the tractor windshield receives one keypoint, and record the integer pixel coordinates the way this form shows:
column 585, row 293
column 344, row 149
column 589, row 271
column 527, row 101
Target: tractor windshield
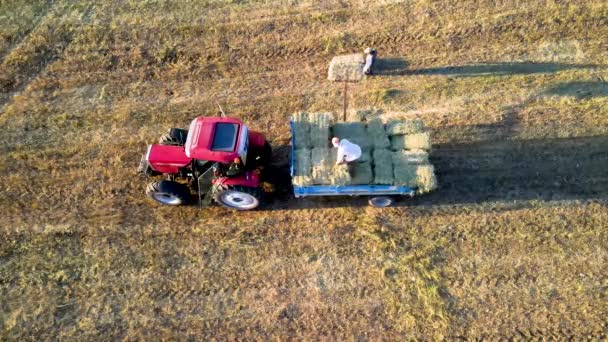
column 225, row 136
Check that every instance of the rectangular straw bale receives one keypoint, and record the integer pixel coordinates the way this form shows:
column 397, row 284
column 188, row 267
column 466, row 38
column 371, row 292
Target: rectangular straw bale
column 301, row 130
column 302, row 168
column 366, row 157
column 320, row 128
column 347, row 68
column 416, row 141
column 301, row 181
column 383, row 166
column 425, row 178
column 340, row 175
column 323, row 160
column 414, row 156
column 377, row 134
column 361, row 173
column 403, row 127
column 404, row 170
column 354, row 132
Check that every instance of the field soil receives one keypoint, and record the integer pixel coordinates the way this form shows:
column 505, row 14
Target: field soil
column 513, row 245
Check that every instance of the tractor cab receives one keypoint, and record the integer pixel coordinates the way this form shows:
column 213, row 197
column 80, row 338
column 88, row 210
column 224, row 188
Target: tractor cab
column 221, row 140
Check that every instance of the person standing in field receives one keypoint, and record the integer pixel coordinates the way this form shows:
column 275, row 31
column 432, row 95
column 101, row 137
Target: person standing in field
column 347, row 151
column 370, row 58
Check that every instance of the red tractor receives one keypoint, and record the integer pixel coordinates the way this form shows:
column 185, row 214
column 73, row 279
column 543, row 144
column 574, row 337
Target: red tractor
column 218, row 158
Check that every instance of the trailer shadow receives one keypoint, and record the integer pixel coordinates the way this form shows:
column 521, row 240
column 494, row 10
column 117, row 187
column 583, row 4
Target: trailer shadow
column 394, row 66
column 490, row 171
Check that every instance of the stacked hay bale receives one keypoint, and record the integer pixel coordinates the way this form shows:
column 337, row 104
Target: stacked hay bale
column 411, row 144
column 346, row 68
column 392, row 154
column 314, row 160
column 354, row 132
column 302, row 159
column 383, row 167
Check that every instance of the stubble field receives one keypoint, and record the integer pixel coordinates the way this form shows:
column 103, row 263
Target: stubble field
column 513, row 245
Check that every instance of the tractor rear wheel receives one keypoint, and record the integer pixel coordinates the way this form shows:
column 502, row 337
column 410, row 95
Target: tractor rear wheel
column 238, row 197
column 175, row 137
column 169, row 192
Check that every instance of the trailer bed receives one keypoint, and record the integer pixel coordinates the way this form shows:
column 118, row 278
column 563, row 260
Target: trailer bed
column 345, row 190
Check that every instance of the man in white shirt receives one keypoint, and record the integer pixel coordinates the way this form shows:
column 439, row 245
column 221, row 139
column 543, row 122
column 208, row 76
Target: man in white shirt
column 370, row 58
column 347, row 151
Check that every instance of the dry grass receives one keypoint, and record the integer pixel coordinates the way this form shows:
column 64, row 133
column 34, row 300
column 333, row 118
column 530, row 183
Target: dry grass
column 513, row 245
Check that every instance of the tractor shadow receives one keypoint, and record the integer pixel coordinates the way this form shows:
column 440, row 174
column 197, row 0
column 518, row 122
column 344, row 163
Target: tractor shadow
column 395, row 66
column 487, row 171
column 579, row 89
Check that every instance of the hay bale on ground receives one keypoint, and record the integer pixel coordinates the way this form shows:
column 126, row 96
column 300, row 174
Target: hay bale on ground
column 425, row 178
column 354, row 132
column 403, row 127
column 383, row 166
column 347, row 68
column 377, row 134
column 361, row 173
column 320, row 124
column 302, row 168
column 301, row 130
column 417, row 141
column 323, row 160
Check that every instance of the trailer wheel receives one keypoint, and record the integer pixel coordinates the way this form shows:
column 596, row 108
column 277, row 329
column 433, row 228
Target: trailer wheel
column 168, row 192
column 238, row 197
column 380, row 201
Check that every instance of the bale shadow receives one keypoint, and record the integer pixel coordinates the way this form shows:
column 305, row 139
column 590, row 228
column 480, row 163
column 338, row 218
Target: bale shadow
column 579, row 89
column 486, row 69
column 491, row 171
column 390, row 66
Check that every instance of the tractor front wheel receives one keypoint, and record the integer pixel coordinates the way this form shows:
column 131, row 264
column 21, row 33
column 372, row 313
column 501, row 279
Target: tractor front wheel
column 169, row 192
column 238, row 197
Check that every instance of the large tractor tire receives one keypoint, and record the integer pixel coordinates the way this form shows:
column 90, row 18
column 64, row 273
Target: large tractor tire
column 175, row 137
column 169, row 192
column 238, row 197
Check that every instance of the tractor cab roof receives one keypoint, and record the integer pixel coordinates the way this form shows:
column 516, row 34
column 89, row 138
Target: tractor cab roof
column 217, row 139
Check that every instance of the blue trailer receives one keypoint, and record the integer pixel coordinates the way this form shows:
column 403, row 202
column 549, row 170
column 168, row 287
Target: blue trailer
column 379, row 195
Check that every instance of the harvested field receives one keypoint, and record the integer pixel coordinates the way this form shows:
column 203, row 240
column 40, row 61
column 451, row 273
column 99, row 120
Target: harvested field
column 512, row 246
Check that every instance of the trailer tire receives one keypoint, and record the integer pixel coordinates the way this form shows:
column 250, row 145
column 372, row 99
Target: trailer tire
column 380, row 201
column 168, row 192
column 238, row 197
